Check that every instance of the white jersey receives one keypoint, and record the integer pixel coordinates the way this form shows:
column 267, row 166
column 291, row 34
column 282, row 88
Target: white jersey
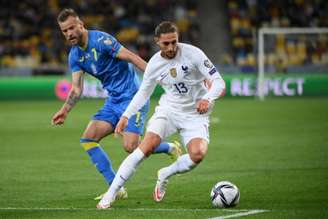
column 182, row 79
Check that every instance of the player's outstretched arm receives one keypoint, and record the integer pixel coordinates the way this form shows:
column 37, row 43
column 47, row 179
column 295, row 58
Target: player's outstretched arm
column 129, row 56
column 73, row 97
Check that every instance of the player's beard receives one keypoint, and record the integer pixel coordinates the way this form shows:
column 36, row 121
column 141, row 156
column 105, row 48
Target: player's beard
column 78, row 40
column 170, row 54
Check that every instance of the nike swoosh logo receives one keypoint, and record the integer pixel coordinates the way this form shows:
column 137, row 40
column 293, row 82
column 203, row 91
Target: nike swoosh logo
column 100, row 38
column 163, row 76
column 81, row 59
column 122, row 178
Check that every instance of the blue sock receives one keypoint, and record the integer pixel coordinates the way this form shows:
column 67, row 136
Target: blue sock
column 164, row 147
column 99, row 158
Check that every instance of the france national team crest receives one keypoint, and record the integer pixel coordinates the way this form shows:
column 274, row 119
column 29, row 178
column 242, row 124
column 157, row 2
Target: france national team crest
column 173, row 72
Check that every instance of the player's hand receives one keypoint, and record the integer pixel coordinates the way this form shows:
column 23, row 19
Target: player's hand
column 59, row 117
column 203, row 106
column 121, row 125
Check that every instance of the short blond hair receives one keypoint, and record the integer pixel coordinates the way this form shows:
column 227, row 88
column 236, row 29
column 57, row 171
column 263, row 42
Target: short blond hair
column 65, row 13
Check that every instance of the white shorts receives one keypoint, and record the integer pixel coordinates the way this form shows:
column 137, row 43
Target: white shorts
column 165, row 123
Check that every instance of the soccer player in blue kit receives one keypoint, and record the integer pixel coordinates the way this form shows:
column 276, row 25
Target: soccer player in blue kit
column 102, row 56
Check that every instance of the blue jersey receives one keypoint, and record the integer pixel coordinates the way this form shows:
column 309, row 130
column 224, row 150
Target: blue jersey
column 100, row 60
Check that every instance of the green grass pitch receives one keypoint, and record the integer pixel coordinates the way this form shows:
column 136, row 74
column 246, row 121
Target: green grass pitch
column 275, row 151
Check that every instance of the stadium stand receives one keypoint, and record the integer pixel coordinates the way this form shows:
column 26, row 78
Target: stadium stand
column 246, row 17
column 30, row 37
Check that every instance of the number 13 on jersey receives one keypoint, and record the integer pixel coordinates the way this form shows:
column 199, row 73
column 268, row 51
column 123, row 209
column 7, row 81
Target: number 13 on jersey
column 181, row 88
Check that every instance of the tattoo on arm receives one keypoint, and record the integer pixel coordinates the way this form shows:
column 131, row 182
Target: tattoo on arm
column 72, row 99
column 75, row 92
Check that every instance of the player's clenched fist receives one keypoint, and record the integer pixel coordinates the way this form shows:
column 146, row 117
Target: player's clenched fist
column 202, row 106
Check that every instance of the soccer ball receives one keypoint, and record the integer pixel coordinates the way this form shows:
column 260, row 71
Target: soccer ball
column 225, row 194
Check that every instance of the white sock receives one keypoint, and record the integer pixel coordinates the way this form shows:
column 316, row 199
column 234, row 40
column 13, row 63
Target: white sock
column 182, row 165
column 124, row 172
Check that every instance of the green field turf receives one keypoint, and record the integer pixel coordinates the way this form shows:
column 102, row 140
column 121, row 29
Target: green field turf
column 275, row 151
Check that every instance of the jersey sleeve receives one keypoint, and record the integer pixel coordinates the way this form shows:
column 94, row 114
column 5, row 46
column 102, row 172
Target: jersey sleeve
column 146, row 89
column 205, row 66
column 210, row 72
column 110, row 45
column 73, row 64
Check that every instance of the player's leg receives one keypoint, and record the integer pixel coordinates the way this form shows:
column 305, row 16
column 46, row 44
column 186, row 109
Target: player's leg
column 131, row 141
column 135, row 128
column 128, row 167
column 197, row 149
column 173, row 149
column 106, row 119
column 94, row 132
column 195, row 136
column 158, row 128
column 102, row 124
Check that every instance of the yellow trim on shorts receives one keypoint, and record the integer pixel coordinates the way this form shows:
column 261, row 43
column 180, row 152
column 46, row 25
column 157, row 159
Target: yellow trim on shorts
column 138, row 115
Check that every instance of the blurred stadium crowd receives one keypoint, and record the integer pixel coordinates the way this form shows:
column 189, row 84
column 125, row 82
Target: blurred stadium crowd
column 246, row 16
column 30, row 36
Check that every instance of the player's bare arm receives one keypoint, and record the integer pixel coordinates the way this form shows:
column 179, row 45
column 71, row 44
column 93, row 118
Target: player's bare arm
column 75, row 92
column 73, row 97
column 129, row 56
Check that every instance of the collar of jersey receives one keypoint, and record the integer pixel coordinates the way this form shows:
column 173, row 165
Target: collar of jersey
column 87, row 44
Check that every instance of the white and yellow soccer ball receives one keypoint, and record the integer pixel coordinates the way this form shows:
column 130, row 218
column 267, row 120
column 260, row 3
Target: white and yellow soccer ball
column 225, row 194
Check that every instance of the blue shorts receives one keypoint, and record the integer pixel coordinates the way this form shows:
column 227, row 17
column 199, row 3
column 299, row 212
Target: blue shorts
column 112, row 112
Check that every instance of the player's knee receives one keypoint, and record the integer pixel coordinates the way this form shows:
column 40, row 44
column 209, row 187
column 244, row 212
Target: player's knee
column 149, row 143
column 197, row 157
column 91, row 136
column 130, row 146
column 197, row 154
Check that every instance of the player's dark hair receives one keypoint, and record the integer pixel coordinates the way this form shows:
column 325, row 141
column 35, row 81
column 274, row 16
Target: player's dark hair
column 65, row 13
column 165, row 27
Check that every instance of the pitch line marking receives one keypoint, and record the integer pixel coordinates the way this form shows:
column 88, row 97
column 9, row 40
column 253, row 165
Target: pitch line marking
column 240, row 214
column 132, row 209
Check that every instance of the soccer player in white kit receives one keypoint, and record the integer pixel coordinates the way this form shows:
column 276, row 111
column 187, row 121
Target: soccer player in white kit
column 181, row 69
